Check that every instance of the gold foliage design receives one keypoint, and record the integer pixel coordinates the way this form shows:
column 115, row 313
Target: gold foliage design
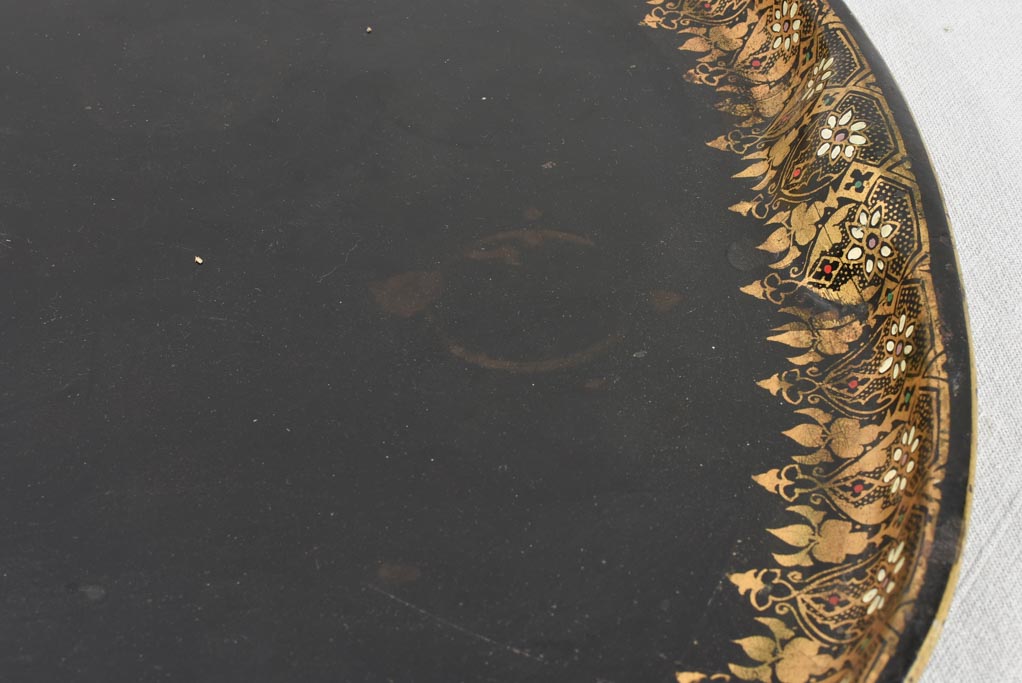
column 830, row 183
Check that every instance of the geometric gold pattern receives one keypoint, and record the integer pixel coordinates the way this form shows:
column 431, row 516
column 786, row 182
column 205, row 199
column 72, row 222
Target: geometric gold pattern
column 830, row 185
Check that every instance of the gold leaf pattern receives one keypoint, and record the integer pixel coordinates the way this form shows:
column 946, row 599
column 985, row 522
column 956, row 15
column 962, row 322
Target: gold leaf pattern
column 831, row 186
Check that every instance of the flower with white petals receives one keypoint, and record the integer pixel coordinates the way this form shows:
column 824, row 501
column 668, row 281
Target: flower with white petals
column 886, row 579
column 818, row 78
column 869, row 236
column 786, row 26
column 842, row 136
column 904, row 462
column 898, row 347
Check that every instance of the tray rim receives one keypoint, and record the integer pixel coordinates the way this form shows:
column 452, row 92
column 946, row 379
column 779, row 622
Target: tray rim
column 944, row 306
column 879, row 65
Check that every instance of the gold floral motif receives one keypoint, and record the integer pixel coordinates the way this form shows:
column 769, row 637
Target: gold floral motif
column 831, row 184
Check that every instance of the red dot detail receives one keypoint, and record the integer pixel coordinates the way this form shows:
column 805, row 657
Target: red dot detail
column 834, row 599
column 854, row 384
column 858, row 488
column 756, row 63
column 828, row 269
column 796, row 173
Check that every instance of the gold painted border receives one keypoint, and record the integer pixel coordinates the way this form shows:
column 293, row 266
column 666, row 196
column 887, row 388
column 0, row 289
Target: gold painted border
column 847, row 229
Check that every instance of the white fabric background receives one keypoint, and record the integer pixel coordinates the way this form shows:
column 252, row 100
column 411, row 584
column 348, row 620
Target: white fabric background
column 957, row 64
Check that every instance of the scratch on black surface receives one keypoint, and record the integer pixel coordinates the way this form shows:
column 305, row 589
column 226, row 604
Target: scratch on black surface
column 346, row 257
column 461, row 629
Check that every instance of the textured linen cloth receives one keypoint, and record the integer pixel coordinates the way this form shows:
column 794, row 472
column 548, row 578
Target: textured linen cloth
column 957, row 65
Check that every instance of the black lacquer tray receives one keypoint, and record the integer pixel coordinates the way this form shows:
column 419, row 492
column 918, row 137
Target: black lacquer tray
column 599, row 340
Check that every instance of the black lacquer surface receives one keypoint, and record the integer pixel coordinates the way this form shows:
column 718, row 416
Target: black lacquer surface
column 462, row 389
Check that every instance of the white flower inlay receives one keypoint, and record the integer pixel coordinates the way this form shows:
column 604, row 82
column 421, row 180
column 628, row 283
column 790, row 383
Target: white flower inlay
column 904, row 461
column 842, row 136
column 898, row 347
column 786, row 26
column 818, row 78
column 870, row 244
column 886, row 579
